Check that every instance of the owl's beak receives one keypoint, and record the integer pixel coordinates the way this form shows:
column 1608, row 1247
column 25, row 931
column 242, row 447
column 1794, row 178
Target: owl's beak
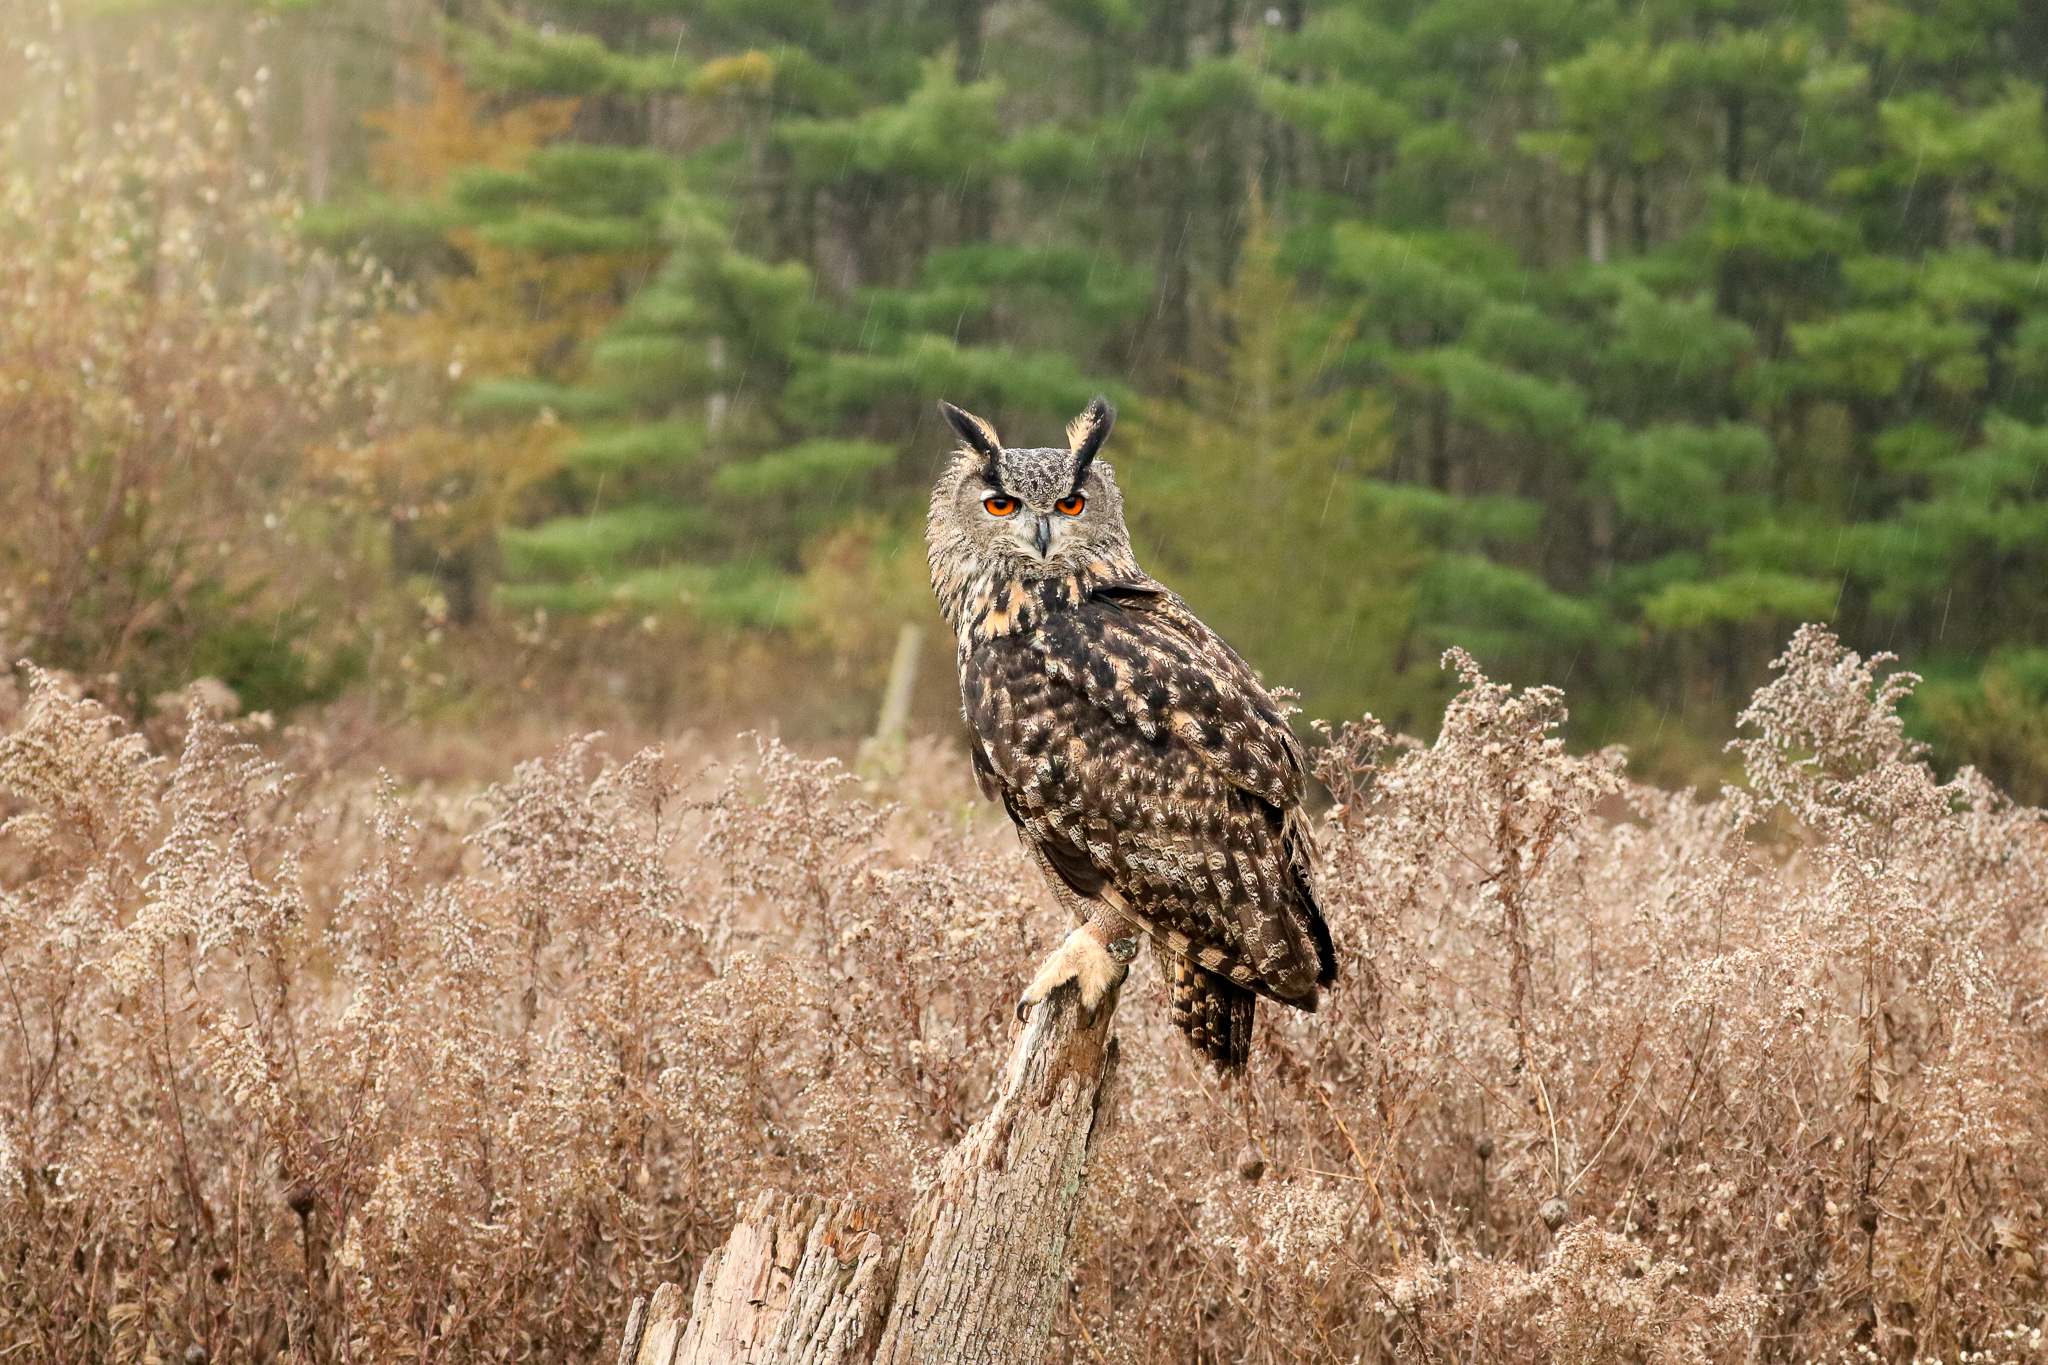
column 1041, row 535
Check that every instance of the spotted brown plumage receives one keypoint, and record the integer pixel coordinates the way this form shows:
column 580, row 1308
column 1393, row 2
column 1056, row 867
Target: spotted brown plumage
column 1148, row 771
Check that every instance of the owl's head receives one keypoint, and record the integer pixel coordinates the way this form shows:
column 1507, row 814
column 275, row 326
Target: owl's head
column 1035, row 512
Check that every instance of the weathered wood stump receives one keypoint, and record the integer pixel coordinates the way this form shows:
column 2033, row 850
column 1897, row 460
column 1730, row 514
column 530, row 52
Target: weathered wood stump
column 806, row 1281
column 799, row 1280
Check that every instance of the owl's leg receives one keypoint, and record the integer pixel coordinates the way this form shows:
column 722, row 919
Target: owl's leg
column 1095, row 956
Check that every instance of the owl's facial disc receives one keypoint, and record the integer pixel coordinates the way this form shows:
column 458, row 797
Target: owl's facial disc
column 1034, row 512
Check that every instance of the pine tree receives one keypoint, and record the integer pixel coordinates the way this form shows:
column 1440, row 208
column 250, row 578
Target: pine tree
column 1254, row 498
column 518, row 252
column 1731, row 324
column 736, row 410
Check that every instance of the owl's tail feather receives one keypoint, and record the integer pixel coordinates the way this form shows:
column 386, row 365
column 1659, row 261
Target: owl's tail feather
column 1215, row 1015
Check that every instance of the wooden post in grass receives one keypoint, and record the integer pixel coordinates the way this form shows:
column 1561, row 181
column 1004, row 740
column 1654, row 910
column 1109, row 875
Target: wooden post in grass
column 883, row 751
column 804, row 1281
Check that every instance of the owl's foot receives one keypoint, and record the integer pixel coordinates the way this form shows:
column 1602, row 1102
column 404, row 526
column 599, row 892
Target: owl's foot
column 1095, row 957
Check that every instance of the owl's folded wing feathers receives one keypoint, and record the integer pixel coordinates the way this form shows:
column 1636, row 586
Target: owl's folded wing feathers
column 1134, row 748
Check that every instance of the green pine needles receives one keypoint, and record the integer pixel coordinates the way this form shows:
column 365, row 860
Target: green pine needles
column 1619, row 339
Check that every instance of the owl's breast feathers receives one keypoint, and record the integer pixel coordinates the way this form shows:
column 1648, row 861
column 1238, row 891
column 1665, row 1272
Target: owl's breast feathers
column 1135, row 749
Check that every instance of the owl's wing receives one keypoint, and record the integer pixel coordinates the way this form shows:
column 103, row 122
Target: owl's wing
column 1135, row 749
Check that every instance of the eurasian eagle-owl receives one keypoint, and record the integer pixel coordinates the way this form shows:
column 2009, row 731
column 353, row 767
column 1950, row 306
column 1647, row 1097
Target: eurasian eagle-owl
column 1149, row 774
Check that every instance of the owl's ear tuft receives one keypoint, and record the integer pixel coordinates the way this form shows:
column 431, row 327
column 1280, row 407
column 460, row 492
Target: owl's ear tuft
column 1086, row 433
column 980, row 437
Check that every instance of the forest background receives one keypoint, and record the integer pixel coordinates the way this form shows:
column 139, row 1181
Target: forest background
column 449, row 379
column 579, row 360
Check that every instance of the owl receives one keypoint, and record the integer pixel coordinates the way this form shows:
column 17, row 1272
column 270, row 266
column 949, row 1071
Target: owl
column 1151, row 777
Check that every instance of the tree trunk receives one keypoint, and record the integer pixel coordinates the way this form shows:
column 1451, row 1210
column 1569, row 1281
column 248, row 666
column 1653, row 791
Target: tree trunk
column 806, row 1281
column 967, row 18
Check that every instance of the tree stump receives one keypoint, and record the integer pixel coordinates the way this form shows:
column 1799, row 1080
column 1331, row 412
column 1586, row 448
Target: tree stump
column 799, row 1280
column 806, row 1281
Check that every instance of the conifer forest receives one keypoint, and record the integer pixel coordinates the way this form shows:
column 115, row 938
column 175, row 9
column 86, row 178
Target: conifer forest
column 465, row 466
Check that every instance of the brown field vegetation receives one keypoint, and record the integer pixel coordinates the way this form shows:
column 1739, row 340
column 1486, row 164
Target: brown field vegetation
column 298, row 1064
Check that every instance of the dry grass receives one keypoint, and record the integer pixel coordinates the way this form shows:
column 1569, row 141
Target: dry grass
column 296, row 1065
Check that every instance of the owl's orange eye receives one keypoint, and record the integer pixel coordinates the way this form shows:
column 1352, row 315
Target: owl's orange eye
column 999, row 506
column 1071, row 505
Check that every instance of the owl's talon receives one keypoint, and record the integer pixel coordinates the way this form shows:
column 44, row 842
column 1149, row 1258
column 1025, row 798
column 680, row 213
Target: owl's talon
column 1083, row 960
